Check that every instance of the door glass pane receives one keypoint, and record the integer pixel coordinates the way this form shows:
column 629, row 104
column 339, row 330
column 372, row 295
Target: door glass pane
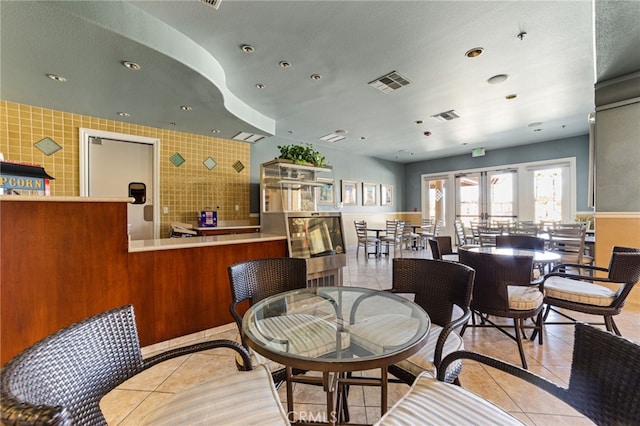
column 502, row 204
column 468, row 206
column 547, row 187
column 437, row 200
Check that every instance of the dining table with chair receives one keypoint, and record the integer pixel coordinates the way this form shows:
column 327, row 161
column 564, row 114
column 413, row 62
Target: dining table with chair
column 349, row 318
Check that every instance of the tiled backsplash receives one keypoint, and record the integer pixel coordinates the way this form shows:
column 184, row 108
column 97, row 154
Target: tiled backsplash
column 185, row 190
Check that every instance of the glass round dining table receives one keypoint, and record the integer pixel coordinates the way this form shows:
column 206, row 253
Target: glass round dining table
column 336, row 331
column 543, row 258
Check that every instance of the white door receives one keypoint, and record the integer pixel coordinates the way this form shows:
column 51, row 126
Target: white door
column 487, row 196
column 122, row 168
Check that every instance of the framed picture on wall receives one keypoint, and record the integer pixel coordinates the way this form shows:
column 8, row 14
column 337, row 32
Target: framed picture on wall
column 369, row 194
column 386, row 195
column 324, row 194
column 349, row 193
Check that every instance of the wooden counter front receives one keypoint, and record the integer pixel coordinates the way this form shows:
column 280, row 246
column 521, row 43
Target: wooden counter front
column 64, row 260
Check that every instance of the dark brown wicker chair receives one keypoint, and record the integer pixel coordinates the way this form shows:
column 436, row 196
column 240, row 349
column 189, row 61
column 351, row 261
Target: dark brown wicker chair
column 524, row 242
column 604, row 386
column 61, row 379
column 581, row 293
column 503, row 288
column 443, row 289
column 254, row 280
column 441, row 247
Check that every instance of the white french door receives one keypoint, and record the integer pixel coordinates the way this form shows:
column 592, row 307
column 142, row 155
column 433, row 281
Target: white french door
column 487, row 196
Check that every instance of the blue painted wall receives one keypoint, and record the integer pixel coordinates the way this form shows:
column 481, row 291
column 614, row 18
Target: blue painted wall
column 405, row 178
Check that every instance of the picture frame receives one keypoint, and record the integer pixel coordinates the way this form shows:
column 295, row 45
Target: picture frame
column 349, row 193
column 369, row 194
column 325, row 195
column 386, row 195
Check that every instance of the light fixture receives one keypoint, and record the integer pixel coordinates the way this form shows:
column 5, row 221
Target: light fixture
column 362, row 138
column 215, row 131
column 535, row 124
column 474, row 53
column 131, row 65
column 511, row 96
column 285, row 64
column 537, row 130
column 497, row 79
column 315, row 77
column 58, row 78
column 259, row 86
column 124, row 114
column 418, row 121
column 247, row 48
column 186, row 108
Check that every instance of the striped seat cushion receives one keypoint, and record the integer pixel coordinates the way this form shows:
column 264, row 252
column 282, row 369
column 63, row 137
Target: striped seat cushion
column 423, row 359
column 243, row 398
column 524, row 298
column 430, row 402
column 578, row 291
column 379, row 331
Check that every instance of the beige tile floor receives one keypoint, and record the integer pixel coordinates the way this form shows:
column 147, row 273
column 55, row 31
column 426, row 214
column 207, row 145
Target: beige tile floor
column 128, row 404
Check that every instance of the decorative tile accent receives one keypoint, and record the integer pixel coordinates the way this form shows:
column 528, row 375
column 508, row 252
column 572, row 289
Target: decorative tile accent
column 238, row 166
column 48, row 146
column 209, row 163
column 177, row 159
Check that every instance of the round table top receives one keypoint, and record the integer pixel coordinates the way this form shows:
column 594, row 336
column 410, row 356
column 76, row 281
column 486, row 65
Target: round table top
column 538, row 256
column 336, row 328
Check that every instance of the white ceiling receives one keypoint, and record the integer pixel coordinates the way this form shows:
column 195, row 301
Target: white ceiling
column 190, row 55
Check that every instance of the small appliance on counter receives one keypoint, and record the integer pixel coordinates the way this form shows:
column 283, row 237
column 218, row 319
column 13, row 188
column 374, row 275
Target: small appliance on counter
column 208, row 218
column 23, row 179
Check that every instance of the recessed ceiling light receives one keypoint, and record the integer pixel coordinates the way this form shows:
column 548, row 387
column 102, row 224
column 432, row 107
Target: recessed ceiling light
column 474, row 53
column 131, row 65
column 247, row 48
column 186, row 108
column 497, row 79
column 315, row 77
column 537, row 130
column 124, row 114
column 59, row 78
column 535, row 124
column 285, row 64
column 418, row 121
column 341, row 132
column 215, row 131
column 363, row 138
column 510, row 97
column 259, row 86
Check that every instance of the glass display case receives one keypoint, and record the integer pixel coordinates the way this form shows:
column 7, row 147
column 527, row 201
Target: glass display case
column 291, row 195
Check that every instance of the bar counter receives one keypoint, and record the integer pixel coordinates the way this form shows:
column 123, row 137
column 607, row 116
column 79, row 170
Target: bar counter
column 63, row 259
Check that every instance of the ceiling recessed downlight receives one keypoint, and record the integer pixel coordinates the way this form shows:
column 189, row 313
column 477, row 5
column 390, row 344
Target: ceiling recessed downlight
column 259, row 86
column 510, row 97
column 285, row 64
column 474, row 53
column 247, row 48
column 315, row 77
column 497, row 79
column 186, row 108
column 124, row 114
column 58, row 78
column 215, row 131
column 131, row 65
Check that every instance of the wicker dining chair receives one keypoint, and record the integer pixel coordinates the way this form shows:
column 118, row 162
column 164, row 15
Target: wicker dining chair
column 604, row 386
column 584, row 293
column 442, row 248
column 503, row 288
column 61, row 379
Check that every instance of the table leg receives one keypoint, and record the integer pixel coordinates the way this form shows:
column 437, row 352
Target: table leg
column 383, row 390
column 330, row 382
column 289, row 385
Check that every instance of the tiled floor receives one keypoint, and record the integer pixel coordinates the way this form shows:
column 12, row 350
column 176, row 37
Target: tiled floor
column 128, row 404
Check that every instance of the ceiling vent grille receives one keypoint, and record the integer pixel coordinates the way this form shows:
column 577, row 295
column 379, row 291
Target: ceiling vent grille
column 389, row 82
column 213, row 3
column 333, row 138
column 248, row 137
column 446, row 116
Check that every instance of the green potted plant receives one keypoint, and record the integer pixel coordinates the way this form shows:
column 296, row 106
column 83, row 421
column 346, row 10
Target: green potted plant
column 302, row 153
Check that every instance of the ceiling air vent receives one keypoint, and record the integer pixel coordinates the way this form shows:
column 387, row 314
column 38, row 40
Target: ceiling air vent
column 248, row 137
column 446, row 116
column 333, row 137
column 389, row 82
column 213, row 3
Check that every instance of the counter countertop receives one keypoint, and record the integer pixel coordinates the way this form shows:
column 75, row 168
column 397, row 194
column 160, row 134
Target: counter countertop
column 191, row 242
column 213, row 228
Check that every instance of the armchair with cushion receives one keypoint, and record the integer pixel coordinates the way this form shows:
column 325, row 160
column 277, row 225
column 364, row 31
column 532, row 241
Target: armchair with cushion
column 61, row 379
column 604, row 386
column 590, row 294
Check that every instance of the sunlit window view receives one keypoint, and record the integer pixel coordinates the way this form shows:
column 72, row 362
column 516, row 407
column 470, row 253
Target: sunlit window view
column 501, row 196
column 547, row 188
column 469, row 199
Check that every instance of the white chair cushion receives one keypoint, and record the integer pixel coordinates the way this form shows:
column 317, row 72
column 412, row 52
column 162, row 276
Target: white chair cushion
column 578, row 291
column 376, row 332
column 302, row 334
column 524, row 298
column 243, row 398
column 422, row 360
column 430, row 402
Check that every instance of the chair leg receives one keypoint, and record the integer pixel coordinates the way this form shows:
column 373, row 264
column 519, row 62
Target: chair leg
column 517, row 324
column 611, row 325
